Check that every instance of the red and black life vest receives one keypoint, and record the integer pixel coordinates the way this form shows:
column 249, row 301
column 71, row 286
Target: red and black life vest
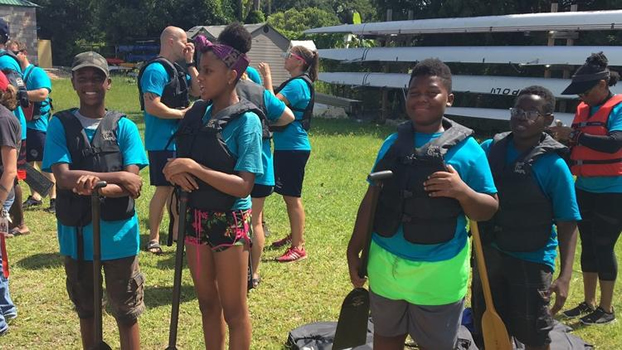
column 585, row 161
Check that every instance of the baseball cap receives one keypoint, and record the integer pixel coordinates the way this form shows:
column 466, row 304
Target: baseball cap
column 4, row 82
column 90, row 59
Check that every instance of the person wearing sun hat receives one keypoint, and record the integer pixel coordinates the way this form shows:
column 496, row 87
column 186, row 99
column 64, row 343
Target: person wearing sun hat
column 595, row 139
column 10, row 141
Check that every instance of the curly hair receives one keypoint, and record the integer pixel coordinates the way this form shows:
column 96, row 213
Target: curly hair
column 8, row 98
column 433, row 67
column 598, row 63
column 543, row 92
column 236, row 36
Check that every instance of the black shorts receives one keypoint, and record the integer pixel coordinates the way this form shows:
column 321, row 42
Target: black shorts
column 520, row 290
column 289, row 172
column 157, row 161
column 34, row 147
column 261, row 191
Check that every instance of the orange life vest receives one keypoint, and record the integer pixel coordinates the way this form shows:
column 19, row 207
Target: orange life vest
column 586, row 161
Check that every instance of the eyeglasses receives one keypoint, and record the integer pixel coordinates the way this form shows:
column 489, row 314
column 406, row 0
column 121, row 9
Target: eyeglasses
column 289, row 54
column 17, row 52
column 529, row 115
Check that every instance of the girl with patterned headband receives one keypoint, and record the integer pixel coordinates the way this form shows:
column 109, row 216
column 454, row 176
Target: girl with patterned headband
column 219, row 155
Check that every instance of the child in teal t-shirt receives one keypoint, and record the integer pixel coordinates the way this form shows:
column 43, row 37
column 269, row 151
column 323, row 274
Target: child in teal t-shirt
column 419, row 267
column 77, row 173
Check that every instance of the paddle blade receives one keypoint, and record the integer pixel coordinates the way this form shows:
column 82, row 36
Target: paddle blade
column 495, row 334
column 352, row 325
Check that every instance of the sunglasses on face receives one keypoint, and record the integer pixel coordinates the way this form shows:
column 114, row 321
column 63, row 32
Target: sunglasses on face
column 586, row 92
column 18, row 52
column 520, row 113
column 289, row 54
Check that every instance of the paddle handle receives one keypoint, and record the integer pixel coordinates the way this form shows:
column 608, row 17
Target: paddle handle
column 500, row 338
column 376, row 179
column 179, row 260
column 97, row 261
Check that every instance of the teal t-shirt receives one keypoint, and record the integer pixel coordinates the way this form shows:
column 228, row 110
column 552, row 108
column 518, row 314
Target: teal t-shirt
column 243, row 139
column 294, row 137
column 274, row 108
column 35, row 78
column 604, row 184
column 556, row 182
column 253, row 75
column 158, row 131
column 7, row 62
column 470, row 161
column 119, row 239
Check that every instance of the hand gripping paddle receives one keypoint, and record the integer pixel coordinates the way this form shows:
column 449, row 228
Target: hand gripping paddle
column 352, row 324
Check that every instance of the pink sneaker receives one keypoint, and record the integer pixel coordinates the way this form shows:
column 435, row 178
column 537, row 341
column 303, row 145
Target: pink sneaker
column 282, row 242
column 293, row 254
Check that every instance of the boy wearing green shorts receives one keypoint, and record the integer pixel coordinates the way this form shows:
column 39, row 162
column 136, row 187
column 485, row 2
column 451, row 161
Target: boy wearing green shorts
column 419, row 256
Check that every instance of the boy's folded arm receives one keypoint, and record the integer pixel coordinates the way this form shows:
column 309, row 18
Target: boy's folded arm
column 129, row 179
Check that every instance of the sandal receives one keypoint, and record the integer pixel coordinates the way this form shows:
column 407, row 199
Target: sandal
column 15, row 231
column 154, row 247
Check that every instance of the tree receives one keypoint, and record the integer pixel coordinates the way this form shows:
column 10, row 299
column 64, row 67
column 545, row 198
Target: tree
column 292, row 22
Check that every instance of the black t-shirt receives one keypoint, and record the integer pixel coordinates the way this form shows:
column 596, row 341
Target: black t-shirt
column 10, row 130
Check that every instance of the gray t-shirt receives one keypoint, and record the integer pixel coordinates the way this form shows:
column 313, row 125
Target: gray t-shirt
column 10, row 131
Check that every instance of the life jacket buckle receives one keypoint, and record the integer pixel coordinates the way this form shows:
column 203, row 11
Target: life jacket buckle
column 407, row 194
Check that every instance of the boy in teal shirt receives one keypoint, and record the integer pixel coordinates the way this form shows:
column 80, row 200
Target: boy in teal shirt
column 419, row 257
column 77, row 173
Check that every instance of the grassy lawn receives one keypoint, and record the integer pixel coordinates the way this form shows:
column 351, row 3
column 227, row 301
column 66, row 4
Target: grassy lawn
column 290, row 294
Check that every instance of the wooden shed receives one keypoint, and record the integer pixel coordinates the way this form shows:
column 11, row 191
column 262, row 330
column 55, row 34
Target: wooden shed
column 268, row 46
column 22, row 19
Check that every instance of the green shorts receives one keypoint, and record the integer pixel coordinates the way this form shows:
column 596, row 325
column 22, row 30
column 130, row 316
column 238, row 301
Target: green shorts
column 419, row 282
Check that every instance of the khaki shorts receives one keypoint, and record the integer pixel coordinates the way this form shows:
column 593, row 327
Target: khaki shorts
column 124, row 287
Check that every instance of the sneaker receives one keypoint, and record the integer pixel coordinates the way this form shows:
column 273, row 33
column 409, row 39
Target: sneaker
column 599, row 316
column 293, row 254
column 52, row 208
column 580, row 310
column 282, row 242
column 31, row 203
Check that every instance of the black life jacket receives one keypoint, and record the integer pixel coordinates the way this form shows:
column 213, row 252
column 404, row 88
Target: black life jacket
column 101, row 155
column 525, row 216
column 175, row 93
column 307, row 112
column 403, row 200
column 204, row 143
column 254, row 93
column 15, row 78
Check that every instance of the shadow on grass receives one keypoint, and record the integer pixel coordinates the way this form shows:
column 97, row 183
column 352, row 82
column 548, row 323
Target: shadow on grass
column 336, row 127
column 161, row 296
column 41, row 261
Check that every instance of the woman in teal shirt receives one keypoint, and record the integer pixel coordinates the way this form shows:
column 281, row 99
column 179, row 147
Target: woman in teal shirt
column 291, row 144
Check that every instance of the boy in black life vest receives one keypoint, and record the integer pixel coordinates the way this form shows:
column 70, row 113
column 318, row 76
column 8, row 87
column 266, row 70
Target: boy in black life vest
column 536, row 194
column 419, row 256
column 83, row 146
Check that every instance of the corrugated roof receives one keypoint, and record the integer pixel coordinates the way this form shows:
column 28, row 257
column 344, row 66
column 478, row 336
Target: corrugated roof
column 21, row 3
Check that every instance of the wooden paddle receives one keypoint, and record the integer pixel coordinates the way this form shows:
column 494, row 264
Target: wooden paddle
column 98, row 343
column 179, row 265
column 352, row 324
column 495, row 334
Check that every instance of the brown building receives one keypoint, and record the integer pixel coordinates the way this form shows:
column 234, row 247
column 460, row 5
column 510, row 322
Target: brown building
column 22, row 19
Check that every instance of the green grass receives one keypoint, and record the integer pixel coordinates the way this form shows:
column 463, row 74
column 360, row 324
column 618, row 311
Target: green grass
column 290, row 295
